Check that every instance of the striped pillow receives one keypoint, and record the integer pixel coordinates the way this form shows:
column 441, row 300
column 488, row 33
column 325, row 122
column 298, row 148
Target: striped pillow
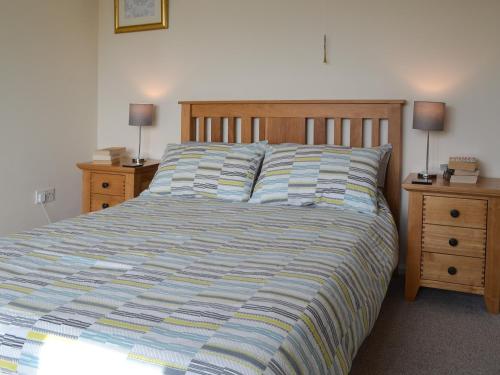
column 213, row 170
column 326, row 175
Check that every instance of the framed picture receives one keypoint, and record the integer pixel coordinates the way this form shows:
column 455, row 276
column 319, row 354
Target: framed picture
column 140, row 15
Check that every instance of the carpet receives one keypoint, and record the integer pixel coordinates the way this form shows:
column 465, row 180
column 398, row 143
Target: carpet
column 440, row 333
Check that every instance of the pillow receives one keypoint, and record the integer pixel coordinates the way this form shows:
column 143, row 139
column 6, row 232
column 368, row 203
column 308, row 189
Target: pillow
column 324, row 175
column 213, row 170
column 385, row 155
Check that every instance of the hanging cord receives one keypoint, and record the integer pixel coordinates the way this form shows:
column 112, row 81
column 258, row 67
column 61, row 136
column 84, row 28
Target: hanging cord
column 46, row 213
column 325, row 60
column 325, row 51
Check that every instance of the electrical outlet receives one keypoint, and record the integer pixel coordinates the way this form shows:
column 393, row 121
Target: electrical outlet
column 45, row 196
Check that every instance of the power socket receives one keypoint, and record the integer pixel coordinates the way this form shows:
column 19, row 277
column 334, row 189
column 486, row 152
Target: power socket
column 45, row 196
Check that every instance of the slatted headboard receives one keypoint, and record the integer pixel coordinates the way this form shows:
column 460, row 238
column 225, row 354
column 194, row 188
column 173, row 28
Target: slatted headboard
column 355, row 123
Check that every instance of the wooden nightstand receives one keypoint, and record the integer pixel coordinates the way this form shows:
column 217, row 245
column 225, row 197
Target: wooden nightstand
column 108, row 185
column 454, row 238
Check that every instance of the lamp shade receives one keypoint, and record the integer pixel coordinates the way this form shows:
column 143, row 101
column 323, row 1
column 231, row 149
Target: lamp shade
column 428, row 116
column 141, row 114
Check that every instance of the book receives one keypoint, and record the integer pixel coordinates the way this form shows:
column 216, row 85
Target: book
column 105, row 157
column 108, row 156
column 463, row 162
column 463, row 172
column 464, row 179
column 115, row 161
column 110, row 151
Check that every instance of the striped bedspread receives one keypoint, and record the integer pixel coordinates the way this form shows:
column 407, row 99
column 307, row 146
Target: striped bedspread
column 162, row 286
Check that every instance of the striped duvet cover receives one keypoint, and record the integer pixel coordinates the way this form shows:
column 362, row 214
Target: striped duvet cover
column 163, row 285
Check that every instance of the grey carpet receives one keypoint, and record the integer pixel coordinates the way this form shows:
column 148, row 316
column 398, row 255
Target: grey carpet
column 440, row 333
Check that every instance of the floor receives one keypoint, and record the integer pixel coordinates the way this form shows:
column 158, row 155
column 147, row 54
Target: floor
column 440, row 333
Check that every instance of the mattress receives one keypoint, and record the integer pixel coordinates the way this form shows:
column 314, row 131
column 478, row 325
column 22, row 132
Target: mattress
column 162, row 285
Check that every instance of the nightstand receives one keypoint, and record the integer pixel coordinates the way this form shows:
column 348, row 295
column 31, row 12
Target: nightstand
column 108, row 185
column 454, row 238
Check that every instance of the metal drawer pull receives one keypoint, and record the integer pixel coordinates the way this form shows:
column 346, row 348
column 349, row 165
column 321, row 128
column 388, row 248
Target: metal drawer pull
column 453, row 242
column 455, row 213
column 105, row 205
column 105, row 185
column 452, row 271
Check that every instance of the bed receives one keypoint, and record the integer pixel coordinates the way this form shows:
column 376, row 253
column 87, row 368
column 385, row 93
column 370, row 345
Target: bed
column 168, row 285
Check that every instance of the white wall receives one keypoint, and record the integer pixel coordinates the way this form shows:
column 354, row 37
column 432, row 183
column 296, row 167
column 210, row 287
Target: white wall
column 48, row 106
column 445, row 50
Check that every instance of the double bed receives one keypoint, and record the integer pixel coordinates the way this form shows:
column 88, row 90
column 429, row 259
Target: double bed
column 169, row 285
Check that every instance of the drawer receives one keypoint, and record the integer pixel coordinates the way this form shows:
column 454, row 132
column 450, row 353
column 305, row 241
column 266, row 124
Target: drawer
column 452, row 269
column 459, row 212
column 99, row 201
column 108, row 184
column 454, row 240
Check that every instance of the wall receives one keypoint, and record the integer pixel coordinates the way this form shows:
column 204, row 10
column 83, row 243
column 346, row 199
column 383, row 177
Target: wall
column 447, row 50
column 48, row 106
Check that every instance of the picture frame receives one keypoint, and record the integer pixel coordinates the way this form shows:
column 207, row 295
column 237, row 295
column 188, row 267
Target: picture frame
column 140, row 15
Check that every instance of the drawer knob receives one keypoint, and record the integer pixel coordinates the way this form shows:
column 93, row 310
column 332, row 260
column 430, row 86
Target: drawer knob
column 452, row 271
column 455, row 213
column 453, row 242
column 105, row 185
column 105, row 205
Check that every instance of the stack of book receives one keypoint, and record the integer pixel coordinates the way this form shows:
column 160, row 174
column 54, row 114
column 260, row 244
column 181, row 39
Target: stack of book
column 465, row 170
column 110, row 155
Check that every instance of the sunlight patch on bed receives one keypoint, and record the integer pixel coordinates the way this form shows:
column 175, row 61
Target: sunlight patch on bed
column 61, row 356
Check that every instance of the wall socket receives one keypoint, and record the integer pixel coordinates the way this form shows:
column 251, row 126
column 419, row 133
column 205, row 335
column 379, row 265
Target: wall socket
column 45, row 196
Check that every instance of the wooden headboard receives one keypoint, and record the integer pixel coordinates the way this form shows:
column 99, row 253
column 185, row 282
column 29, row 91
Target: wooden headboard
column 355, row 123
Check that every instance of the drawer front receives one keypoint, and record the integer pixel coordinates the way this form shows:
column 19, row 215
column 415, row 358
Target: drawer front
column 454, row 240
column 453, row 269
column 459, row 212
column 100, row 202
column 108, row 184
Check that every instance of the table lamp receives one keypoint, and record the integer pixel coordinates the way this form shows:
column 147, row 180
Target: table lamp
column 140, row 115
column 428, row 116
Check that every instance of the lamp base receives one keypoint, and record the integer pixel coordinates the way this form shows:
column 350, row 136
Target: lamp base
column 427, row 175
column 136, row 163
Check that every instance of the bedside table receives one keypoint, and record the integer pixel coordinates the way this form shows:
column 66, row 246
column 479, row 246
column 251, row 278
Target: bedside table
column 108, row 185
column 454, row 238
